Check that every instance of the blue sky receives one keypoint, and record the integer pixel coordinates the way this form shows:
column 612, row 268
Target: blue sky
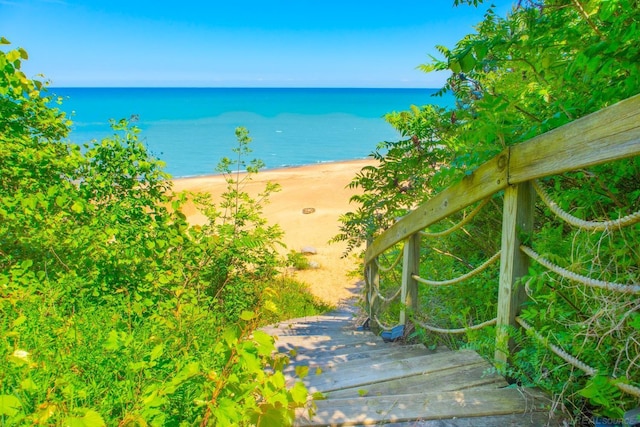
column 236, row 43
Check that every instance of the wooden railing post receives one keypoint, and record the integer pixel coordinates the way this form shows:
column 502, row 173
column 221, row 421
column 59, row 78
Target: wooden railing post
column 373, row 283
column 410, row 266
column 518, row 211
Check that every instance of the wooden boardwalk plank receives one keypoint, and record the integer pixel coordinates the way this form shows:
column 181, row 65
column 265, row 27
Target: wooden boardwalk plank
column 319, row 344
column 369, row 382
column 454, row 379
column 310, row 328
column 385, row 358
column 349, row 354
column 330, row 362
column 530, row 419
column 327, row 348
column 355, row 374
column 424, row 406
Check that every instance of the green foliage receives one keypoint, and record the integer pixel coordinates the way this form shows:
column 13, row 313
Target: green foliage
column 113, row 310
column 292, row 298
column 544, row 65
column 297, row 260
column 406, row 169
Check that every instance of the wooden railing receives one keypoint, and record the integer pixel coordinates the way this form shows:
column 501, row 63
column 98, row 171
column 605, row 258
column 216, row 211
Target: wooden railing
column 610, row 134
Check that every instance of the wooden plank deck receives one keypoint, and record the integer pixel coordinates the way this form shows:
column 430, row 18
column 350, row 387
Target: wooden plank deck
column 369, row 382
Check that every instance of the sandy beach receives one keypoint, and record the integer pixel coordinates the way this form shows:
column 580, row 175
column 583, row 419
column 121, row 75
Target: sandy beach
column 321, row 187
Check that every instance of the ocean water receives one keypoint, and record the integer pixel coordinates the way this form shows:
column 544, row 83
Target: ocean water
column 191, row 129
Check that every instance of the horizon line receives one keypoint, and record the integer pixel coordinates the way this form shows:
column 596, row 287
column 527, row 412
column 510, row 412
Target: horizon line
column 241, row 87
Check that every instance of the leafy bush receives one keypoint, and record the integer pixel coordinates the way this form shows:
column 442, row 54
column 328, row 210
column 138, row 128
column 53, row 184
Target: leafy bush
column 113, row 310
column 544, row 65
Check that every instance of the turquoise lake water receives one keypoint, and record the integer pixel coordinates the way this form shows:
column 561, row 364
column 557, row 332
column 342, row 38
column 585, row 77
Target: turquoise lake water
column 192, row 128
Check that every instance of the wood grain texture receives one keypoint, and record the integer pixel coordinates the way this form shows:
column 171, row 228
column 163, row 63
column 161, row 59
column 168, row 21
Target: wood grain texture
column 517, row 219
column 606, row 135
column 381, row 383
column 411, row 266
column 425, row 406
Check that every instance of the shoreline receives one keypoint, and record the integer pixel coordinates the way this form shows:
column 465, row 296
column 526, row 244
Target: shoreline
column 322, row 187
column 281, row 169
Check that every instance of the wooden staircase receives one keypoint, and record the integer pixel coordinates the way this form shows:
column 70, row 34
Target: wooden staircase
column 367, row 381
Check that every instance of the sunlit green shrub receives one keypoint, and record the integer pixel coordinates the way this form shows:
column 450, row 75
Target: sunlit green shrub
column 113, row 310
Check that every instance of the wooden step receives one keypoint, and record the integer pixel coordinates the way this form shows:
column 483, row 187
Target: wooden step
column 322, row 344
column 424, row 406
column 366, row 381
column 348, row 354
column 475, row 375
column 322, row 326
column 360, row 373
column 331, row 361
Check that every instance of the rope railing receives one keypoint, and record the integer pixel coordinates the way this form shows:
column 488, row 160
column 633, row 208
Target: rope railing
column 587, row 281
column 388, row 299
column 462, row 278
column 390, row 267
column 580, row 223
column 460, row 224
column 605, row 136
column 378, row 294
column 382, row 326
column 574, row 361
column 456, row 331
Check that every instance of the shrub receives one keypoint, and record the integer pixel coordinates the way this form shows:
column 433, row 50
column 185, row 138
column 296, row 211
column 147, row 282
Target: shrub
column 113, row 310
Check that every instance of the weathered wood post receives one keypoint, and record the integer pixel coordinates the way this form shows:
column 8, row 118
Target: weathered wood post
column 373, row 283
column 517, row 220
column 410, row 266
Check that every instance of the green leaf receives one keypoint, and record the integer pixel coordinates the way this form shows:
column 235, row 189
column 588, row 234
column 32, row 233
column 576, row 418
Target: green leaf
column 4, row 41
column 13, row 56
column 271, row 306
column 318, row 395
column 299, row 393
column 93, row 419
column 112, row 342
column 247, row 315
column 9, row 405
column 302, row 371
column 89, row 419
column 265, row 342
column 278, row 380
column 454, row 65
column 187, row 372
column 156, row 352
column 481, row 50
column 274, row 417
column 19, row 320
column 467, row 62
column 77, row 207
column 28, row 385
column 61, row 200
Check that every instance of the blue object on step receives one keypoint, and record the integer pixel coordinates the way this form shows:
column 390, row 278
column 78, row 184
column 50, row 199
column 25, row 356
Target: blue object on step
column 365, row 326
column 392, row 335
